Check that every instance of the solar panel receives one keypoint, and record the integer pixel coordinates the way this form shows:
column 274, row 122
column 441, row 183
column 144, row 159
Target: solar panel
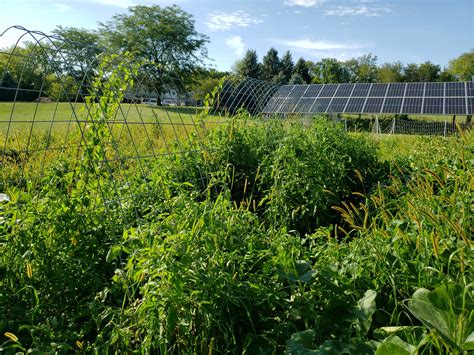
column 455, row 89
column 361, row 90
column 378, row 90
column 470, row 88
column 470, row 105
column 283, row 91
column 338, row 104
column 392, row 105
column 453, row 98
column 313, row 90
column 414, row 89
column 434, row 90
column 455, row 106
column 373, row 105
column 344, row 90
column 298, row 91
column 396, row 90
column 355, row 105
column 304, row 105
column 433, row 105
column 328, row 90
column 320, row 105
column 412, row 105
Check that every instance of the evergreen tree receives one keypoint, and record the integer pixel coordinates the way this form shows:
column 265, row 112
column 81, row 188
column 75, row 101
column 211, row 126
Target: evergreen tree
column 287, row 66
column 302, row 69
column 248, row 66
column 271, row 65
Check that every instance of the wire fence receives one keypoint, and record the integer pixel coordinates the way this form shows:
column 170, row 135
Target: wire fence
column 56, row 94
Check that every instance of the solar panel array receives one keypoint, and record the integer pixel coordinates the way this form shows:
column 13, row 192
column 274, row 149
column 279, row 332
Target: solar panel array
column 452, row 98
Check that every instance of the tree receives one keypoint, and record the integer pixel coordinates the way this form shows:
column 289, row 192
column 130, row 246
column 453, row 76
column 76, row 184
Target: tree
column 390, row 73
column 163, row 38
column 271, row 65
column 462, row 67
column 330, row 70
column 362, row 69
column 302, row 70
column 428, row 71
column 411, row 73
column 248, row 66
column 287, row 66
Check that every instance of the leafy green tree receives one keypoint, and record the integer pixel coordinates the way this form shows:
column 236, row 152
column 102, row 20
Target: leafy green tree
column 302, row 70
column 390, row 73
column 287, row 66
column 429, row 71
column 446, row 75
column 330, row 70
column 248, row 66
column 164, row 38
column 411, row 73
column 462, row 67
column 271, row 65
column 362, row 69
column 296, row 79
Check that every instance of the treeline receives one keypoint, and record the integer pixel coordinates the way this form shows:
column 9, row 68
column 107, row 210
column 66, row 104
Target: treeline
column 362, row 69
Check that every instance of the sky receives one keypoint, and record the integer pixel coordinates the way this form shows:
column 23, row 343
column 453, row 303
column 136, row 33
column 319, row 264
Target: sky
column 410, row 31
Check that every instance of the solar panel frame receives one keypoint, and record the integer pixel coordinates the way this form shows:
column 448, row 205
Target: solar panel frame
column 433, row 105
column 344, row 90
column 328, row 90
column 455, row 89
column 361, row 90
column 412, row 105
column 313, row 90
column 337, row 104
column 353, row 103
column 378, row 90
column 373, row 105
column 320, row 105
column 414, row 89
column 470, row 105
column 396, row 89
column 392, row 105
column 470, row 88
column 455, row 106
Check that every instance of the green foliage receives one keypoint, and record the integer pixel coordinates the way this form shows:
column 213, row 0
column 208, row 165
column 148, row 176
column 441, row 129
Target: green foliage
column 462, row 67
column 248, row 66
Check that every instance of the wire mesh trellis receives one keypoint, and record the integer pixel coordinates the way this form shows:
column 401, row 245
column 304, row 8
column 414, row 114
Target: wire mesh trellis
column 53, row 92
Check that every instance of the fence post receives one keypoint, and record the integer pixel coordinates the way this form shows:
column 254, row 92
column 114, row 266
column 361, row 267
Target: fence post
column 445, row 126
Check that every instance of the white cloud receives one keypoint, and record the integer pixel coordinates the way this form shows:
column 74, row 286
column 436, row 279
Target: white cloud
column 308, row 44
column 236, row 43
column 303, row 3
column 227, row 21
column 323, row 49
column 119, row 3
column 360, row 10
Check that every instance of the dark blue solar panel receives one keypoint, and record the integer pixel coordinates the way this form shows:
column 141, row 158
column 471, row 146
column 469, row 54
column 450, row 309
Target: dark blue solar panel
column 288, row 105
column 328, row 90
column 283, row 91
column 338, row 104
column 344, row 90
column 355, row 105
column 470, row 105
column 433, row 105
column 434, row 89
column 455, row 106
column 272, row 106
column 412, row 105
column 298, row 91
column 320, row 105
column 415, row 89
column 378, row 90
column 392, row 105
column 373, row 105
column 304, row 105
column 470, row 88
column 361, row 90
column 396, row 90
column 313, row 90
column 455, row 89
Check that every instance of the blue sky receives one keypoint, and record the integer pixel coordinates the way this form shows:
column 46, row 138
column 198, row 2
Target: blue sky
column 411, row 31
